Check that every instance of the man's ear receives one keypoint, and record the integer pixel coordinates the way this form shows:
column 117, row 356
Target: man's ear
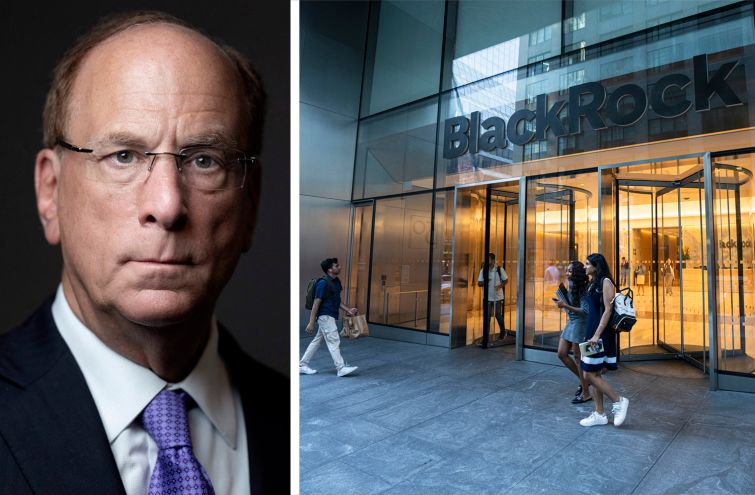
column 253, row 183
column 46, row 175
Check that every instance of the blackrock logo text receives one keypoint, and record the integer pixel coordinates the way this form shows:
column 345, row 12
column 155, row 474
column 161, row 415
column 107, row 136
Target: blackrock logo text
column 592, row 102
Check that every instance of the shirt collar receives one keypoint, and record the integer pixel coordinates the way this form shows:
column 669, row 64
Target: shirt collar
column 121, row 388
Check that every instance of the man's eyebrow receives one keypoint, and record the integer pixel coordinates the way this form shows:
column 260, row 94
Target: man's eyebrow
column 210, row 138
column 126, row 139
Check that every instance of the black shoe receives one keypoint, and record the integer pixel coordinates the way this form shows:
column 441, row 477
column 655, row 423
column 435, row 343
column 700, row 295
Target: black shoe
column 580, row 399
column 578, row 392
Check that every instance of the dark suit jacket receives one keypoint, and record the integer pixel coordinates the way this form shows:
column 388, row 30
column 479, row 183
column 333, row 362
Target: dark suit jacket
column 51, row 437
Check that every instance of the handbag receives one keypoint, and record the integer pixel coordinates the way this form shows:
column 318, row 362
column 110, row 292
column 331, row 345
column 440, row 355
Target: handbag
column 623, row 316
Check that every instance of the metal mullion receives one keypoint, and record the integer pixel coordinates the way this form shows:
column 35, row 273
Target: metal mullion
column 681, row 276
column 521, row 269
column 740, row 265
column 702, row 272
column 711, row 263
column 629, row 251
column 731, row 282
column 369, row 271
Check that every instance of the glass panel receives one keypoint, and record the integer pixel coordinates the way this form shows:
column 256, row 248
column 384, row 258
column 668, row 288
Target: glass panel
column 593, row 21
column 669, row 315
column 396, row 151
column 504, row 239
column 495, row 37
column 440, row 301
column 490, row 127
column 469, row 259
column 360, row 257
column 561, row 227
column 733, row 216
column 661, row 245
column 636, row 257
column 469, row 246
column 404, row 54
column 401, row 249
column 693, row 278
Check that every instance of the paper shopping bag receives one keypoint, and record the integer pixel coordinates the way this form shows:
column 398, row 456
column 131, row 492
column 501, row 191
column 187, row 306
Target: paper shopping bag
column 360, row 326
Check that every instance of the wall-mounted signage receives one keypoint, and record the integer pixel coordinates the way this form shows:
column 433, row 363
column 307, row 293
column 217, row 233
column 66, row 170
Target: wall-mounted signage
column 591, row 101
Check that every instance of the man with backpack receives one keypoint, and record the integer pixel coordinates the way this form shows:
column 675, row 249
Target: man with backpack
column 326, row 301
column 497, row 278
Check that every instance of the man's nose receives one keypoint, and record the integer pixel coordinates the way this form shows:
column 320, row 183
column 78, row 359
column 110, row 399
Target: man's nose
column 163, row 195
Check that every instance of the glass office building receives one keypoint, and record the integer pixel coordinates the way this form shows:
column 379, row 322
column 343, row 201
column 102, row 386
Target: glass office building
column 542, row 131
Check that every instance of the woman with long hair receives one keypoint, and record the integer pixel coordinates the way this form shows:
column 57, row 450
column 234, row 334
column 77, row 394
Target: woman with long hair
column 599, row 296
column 574, row 331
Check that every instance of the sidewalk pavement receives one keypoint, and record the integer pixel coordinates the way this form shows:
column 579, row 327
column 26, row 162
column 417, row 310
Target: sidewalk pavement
column 418, row 419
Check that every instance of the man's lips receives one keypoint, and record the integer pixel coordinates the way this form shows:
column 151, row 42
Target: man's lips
column 166, row 262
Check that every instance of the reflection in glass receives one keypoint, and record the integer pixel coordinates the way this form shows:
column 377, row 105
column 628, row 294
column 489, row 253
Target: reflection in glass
column 440, row 301
column 735, row 284
column 641, row 60
column 396, row 151
column 561, row 227
column 592, row 21
column 469, row 246
column 661, row 239
column 406, row 40
column 496, row 37
column 360, row 257
column 469, row 259
column 401, row 249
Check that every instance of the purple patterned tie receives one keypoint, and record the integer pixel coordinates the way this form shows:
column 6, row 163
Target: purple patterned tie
column 177, row 470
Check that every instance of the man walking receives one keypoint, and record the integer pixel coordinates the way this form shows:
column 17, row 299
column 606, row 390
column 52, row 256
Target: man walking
column 497, row 278
column 325, row 308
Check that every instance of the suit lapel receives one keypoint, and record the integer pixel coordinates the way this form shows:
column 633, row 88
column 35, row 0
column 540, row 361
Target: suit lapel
column 265, row 398
column 49, row 419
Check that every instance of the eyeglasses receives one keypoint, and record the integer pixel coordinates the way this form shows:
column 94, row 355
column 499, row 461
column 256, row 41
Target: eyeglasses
column 207, row 168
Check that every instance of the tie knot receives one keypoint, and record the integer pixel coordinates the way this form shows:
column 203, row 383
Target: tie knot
column 166, row 420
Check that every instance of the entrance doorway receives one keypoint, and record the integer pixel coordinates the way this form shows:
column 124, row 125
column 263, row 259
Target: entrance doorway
column 660, row 254
column 486, row 221
column 662, row 238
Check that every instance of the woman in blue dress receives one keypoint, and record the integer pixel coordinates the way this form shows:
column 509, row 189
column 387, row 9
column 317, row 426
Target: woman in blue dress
column 600, row 294
column 574, row 331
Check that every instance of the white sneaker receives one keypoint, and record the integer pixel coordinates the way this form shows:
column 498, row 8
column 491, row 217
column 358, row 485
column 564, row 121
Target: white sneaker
column 306, row 370
column 594, row 419
column 346, row 370
column 619, row 411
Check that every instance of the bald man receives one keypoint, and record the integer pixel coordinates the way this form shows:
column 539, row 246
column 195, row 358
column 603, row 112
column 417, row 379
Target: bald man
column 124, row 382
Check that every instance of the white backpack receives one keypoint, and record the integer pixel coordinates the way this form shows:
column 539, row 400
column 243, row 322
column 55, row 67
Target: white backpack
column 623, row 316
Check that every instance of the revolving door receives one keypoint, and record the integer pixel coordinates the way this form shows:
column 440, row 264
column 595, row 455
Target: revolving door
column 662, row 237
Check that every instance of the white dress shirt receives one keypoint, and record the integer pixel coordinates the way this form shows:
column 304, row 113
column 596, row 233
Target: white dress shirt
column 122, row 389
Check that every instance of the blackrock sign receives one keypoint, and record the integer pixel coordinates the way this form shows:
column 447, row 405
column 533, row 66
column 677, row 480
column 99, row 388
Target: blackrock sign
column 591, row 101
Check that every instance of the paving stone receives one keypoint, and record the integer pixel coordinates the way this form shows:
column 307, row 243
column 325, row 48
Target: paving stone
column 420, row 419
column 337, row 478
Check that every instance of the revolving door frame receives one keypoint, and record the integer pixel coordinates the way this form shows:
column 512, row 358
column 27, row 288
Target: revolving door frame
column 711, row 241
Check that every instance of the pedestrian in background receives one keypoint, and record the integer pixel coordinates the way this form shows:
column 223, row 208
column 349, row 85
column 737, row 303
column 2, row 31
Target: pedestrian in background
column 325, row 308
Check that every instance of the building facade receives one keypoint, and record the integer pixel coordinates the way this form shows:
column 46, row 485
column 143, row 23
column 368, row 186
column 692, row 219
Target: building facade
column 435, row 132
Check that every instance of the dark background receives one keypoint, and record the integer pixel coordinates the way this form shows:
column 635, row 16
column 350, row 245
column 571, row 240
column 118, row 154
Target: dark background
column 34, row 36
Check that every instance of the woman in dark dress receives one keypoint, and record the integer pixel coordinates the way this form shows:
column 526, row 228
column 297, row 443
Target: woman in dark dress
column 574, row 331
column 599, row 296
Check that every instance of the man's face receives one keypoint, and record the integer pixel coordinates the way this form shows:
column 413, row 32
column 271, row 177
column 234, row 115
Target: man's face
column 335, row 269
column 154, row 252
